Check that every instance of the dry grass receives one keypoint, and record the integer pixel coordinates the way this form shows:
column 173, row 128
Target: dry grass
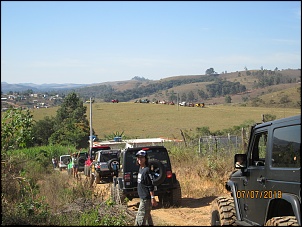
column 202, row 175
column 139, row 120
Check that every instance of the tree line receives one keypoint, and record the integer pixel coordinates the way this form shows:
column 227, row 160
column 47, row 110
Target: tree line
column 218, row 87
column 69, row 127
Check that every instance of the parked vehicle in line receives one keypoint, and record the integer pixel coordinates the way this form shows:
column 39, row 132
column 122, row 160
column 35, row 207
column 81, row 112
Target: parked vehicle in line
column 266, row 187
column 199, row 104
column 94, row 149
column 105, row 165
column 64, row 161
column 167, row 187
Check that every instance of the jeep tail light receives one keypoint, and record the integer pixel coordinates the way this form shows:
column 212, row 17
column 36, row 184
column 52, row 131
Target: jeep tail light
column 169, row 174
column 127, row 176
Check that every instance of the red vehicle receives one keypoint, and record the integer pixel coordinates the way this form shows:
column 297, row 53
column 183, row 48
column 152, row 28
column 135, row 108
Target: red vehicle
column 114, row 100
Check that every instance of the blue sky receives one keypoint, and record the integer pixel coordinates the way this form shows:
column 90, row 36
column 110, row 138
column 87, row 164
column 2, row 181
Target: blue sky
column 86, row 42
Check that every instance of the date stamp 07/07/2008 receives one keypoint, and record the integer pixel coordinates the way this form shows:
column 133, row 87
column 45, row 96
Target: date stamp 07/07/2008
column 258, row 194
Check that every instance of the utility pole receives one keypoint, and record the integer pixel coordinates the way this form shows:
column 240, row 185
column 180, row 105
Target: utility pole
column 91, row 140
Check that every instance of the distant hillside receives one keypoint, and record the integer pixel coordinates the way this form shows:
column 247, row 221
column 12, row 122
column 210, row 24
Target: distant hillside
column 6, row 87
column 195, row 88
column 251, row 87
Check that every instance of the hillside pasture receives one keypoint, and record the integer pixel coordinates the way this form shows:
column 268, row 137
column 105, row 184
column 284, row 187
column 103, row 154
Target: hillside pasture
column 141, row 120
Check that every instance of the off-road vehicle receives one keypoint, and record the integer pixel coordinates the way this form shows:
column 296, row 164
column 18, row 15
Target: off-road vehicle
column 105, row 165
column 91, row 154
column 167, row 187
column 94, row 149
column 64, row 161
column 266, row 187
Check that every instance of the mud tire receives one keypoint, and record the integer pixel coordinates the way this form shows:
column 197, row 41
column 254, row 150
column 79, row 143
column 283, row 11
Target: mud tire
column 223, row 212
column 176, row 195
column 282, row 221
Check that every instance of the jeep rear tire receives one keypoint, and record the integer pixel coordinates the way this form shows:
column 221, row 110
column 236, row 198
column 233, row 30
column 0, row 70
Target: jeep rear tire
column 223, row 212
column 176, row 195
column 171, row 199
column 282, row 221
column 158, row 172
column 82, row 161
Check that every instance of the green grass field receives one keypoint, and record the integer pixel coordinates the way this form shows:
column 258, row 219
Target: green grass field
column 139, row 120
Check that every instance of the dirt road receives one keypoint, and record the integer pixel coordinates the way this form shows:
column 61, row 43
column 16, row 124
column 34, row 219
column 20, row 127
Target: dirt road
column 193, row 211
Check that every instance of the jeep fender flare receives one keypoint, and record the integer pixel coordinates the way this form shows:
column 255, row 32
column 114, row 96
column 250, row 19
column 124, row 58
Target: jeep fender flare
column 232, row 186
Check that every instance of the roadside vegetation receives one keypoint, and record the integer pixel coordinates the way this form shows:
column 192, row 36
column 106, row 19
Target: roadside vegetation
column 34, row 193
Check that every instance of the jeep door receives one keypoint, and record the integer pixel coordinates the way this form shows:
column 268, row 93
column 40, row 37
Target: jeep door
column 253, row 206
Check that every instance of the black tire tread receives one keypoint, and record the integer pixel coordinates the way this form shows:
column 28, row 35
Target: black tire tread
column 282, row 221
column 176, row 195
column 225, row 208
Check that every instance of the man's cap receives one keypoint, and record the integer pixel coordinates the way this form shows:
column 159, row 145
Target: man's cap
column 141, row 153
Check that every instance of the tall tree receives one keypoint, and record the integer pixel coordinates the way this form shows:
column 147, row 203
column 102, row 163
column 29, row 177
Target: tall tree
column 71, row 123
column 210, row 71
column 42, row 130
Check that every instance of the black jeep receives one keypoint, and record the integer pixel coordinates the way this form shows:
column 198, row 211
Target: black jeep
column 167, row 187
column 266, row 188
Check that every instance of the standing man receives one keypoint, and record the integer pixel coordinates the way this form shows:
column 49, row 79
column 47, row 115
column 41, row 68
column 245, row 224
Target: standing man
column 145, row 189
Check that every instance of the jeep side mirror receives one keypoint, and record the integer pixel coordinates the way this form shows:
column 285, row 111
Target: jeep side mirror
column 240, row 161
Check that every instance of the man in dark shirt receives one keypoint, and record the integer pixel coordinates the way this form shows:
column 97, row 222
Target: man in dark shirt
column 145, row 189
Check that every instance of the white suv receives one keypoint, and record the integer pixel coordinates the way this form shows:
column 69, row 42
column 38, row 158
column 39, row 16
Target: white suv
column 64, row 161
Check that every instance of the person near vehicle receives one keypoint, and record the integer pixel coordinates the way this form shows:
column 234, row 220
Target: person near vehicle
column 53, row 160
column 87, row 166
column 145, row 189
column 75, row 167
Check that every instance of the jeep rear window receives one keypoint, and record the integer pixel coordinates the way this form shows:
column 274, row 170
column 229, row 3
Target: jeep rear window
column 156, row 154
column 286, row 147
column 106, row 156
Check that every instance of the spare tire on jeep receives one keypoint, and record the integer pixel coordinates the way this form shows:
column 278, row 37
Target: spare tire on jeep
column 113, row 164
column 82, row 161
column 158, row 172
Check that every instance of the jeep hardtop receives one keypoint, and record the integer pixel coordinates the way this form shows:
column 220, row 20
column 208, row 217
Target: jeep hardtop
column 266, row 188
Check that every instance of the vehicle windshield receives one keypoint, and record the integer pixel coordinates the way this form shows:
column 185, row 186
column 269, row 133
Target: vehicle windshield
column 106, row 156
